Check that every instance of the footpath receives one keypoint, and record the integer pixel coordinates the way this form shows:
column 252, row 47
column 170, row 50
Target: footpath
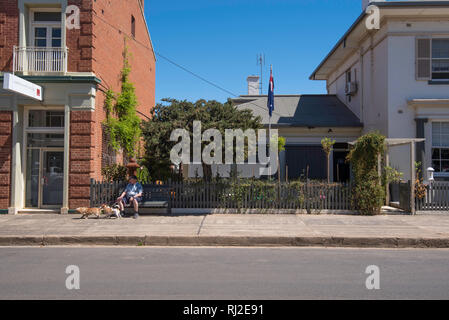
column 388, row 231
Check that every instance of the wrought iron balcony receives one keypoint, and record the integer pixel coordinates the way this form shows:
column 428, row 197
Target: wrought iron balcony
column 38, row 60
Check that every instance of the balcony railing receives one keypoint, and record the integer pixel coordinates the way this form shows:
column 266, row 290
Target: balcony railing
column 35, row 60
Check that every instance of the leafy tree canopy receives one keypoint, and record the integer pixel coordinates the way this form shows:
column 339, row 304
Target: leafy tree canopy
column 175, row 114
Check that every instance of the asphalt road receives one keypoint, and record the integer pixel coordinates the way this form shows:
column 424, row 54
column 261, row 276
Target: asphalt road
column 222, row 273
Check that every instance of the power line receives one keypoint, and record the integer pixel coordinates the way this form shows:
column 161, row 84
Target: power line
column 195, row 75
column 180, row 66
column 208, row 82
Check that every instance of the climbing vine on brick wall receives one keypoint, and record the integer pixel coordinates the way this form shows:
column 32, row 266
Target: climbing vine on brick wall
column 122, row 121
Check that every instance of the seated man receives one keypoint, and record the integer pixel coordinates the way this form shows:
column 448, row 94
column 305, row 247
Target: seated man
column 132, row 195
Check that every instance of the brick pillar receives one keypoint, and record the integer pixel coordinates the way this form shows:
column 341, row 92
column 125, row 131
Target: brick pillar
column 5, row 158
column 81, row 157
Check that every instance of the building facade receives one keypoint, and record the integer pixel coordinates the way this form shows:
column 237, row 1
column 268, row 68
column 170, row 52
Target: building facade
column 303, row 120
column 395, row 78
column 50, row 149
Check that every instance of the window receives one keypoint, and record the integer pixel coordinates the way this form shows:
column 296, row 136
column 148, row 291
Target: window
column 46, row 29
column 440, row 59
column 133, row 26
column 45, row 119
column 440, row 146
column 47, row 16
column 348, row 84
column 432, row 59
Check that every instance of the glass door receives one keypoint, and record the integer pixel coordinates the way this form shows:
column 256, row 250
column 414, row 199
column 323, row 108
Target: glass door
column 45, row 178
column 52, row 178
column 44, row 133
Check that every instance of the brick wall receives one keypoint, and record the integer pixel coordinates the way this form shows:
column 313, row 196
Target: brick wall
column 5, row 158
column 82, row 146
column 96, row 47
column 9, row 37
column 80, row 42
column 112, row 30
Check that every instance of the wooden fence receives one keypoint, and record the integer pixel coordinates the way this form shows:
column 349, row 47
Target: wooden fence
column 240, row 195
column 436, row 198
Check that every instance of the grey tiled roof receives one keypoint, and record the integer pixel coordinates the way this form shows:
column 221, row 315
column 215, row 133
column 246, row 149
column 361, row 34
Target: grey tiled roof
column 301, row 110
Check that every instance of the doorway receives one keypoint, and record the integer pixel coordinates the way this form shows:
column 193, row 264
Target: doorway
column 44, row 161
column 45, row 178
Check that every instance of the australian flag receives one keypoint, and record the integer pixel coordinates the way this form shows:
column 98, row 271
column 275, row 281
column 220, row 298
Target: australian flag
column 270, row 103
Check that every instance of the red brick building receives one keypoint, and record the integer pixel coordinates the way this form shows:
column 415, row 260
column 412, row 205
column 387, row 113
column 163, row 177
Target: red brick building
column 50, row 149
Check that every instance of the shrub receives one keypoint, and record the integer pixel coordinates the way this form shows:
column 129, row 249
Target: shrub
column 368, row 193
column 143, row 175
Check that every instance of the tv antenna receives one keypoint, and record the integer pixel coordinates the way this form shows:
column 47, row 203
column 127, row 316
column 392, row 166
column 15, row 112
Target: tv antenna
column 261, row 63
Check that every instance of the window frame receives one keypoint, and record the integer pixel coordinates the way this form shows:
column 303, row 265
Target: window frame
column 49, row 25
column 432, row 59
column 432, row 148
column 133, row 26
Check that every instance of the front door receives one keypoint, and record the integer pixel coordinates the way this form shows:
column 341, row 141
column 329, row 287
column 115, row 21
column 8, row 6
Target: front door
column 44, row 162
column 45, row 177
column 52, row 178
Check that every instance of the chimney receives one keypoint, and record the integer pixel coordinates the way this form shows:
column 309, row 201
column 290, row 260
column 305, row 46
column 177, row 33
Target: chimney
column 253, row 85
column 366, row 3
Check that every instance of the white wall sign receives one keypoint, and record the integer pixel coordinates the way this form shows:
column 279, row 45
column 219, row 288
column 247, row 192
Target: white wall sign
column 22, row 86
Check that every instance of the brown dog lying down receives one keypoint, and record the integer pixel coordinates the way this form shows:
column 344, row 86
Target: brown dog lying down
column 86, row 212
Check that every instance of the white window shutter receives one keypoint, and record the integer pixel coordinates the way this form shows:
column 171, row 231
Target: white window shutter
column 423, row 59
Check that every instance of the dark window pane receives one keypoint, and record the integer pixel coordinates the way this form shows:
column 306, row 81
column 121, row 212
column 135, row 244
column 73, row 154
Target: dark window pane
column 436, row 154
column 40, row 42
column 440, row 76
column 46, row 119
column 56, row 43
column 56, row 33
column 436, row 165
column 55, row 119
column 444, row 154
column 444, row 166
column 133, row 26
column 440, row 48
column 40, row 32
column 47, row 16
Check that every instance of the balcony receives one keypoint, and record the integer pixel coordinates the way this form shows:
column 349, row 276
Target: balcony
column 40, row 60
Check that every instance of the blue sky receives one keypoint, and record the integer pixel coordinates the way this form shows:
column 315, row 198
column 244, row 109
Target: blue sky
column 220, row 39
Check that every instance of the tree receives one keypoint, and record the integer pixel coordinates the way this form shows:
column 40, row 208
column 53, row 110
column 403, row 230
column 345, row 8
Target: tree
column 176, row 114
column 327, row 145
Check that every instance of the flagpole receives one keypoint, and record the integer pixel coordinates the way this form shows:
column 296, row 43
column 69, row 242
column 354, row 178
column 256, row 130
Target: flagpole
column 269, row 121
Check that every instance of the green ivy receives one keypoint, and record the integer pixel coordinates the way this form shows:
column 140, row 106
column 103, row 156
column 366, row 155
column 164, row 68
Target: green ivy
column 368, row 192
column 122, row 121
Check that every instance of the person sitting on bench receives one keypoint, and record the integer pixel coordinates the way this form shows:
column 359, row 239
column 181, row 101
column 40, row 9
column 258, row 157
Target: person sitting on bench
column 132, row 195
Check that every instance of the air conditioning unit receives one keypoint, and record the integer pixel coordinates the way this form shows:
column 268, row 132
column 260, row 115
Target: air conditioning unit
column 351, row 88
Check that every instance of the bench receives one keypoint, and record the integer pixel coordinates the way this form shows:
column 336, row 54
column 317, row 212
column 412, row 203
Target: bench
column 155, row 196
